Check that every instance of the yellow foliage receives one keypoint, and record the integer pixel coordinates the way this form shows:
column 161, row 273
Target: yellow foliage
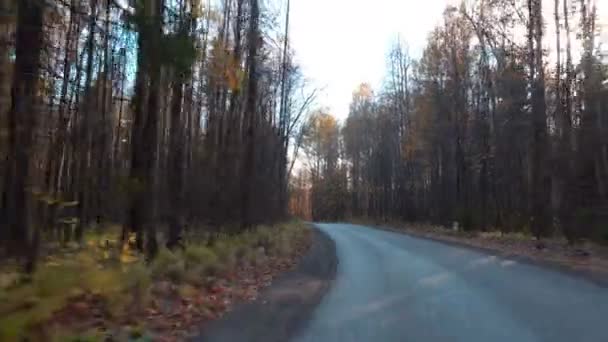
column 128, row 258
column 234, row 78
column 363, row 92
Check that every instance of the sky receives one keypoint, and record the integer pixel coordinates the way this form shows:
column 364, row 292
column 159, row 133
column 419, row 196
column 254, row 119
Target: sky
column 342, row 43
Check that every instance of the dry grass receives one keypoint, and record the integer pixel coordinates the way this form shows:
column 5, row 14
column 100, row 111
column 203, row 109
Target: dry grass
column 117, row 285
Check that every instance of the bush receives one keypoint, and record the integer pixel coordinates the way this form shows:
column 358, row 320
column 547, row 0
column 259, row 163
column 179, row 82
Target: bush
column 176, row 272
column 225, row 250
column 265, row 238
column 198, row 255
column 195, row 277
column 137, row 283
column 166, row 265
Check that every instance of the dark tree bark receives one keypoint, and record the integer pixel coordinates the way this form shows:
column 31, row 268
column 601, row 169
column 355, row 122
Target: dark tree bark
column 102, row 126
column 541, row 182
column 22, row 126
column 84, row 141
column 251, row 117
column 175, row 164
column 145, row 132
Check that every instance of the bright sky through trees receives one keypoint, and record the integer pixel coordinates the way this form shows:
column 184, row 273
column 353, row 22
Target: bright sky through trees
column 325, row 32
column 341, row 43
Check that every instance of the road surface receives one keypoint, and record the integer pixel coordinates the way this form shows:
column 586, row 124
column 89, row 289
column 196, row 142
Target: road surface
column 393, row 287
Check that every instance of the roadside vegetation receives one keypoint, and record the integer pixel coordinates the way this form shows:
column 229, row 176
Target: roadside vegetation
column 99, row 290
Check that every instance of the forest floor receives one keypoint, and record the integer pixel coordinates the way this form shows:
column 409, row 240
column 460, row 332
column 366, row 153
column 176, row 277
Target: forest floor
column 587, row 259
column 96, row 292
column 285, row 308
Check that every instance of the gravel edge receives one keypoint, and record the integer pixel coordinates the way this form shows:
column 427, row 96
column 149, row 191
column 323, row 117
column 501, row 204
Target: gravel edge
column 285, row 307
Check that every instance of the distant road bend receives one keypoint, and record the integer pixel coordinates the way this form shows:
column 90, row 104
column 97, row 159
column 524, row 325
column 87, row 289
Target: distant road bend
column 393, row 287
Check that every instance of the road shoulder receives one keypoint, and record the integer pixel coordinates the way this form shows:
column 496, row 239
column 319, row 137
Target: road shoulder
column 285, row 307
column 593, row 268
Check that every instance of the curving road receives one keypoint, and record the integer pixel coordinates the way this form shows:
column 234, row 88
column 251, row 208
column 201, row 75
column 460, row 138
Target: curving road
column 393, row 287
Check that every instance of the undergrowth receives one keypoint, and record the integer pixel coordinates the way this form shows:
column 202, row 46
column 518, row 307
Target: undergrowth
column 122, row 278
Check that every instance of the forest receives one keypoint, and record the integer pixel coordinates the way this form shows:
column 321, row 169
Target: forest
column 156, row 151
column 144, row 159
column 155, row 115
column 500, row 124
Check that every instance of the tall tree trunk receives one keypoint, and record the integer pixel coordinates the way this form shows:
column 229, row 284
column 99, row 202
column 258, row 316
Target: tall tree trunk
column 84, row 140
column 175, row 165
column 117, row 162
column 102, row 126
column 22, row 127
column 145, row 131
column 251, row 119
column 564, row 112
column 541, row 183
column 284, row 122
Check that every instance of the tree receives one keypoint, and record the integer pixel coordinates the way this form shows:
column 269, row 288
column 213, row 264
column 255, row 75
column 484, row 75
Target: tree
column 182, row 69
column 480, row 130
column 328, row 177
column 22, row 125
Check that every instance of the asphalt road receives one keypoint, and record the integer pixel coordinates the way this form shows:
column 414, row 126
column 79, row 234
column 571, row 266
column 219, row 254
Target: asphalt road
column 393, row 287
